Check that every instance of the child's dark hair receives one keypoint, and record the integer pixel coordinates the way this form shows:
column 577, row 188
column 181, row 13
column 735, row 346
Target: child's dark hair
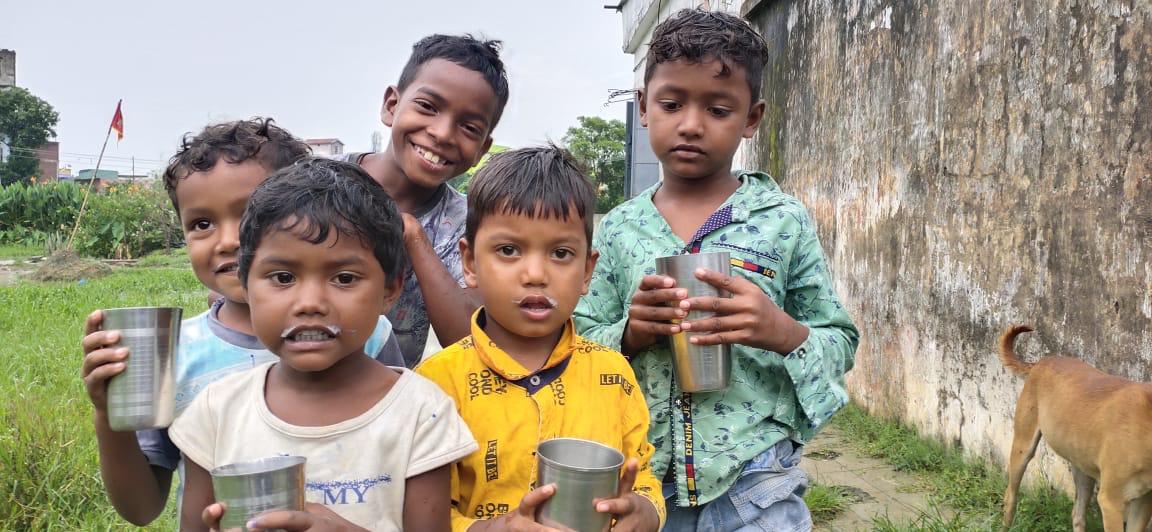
column 482, row 56
column 695, row 35
column 235, row 142
column 315, row 196
column 541, row 181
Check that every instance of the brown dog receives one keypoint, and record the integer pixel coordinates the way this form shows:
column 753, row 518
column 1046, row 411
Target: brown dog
column 1100, row 423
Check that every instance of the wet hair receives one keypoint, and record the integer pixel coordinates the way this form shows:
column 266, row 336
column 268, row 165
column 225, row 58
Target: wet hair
column 542, row 181
column 482, row 56
column 257, row 139
column 695, row 35
column 316, row 196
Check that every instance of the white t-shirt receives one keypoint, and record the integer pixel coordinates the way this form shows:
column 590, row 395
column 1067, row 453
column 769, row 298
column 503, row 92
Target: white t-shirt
column 357, row 467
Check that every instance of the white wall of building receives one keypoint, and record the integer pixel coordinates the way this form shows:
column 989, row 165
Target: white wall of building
column 640, row 18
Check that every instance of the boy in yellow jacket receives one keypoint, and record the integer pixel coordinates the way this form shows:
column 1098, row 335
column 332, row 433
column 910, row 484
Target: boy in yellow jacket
column 523, row 375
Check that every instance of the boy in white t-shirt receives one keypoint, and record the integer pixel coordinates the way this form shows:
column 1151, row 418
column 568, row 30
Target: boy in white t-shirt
column 321, row 254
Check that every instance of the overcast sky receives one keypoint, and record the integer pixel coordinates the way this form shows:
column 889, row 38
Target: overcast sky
column 319, row 68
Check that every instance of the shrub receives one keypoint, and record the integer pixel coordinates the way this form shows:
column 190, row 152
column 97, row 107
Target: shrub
column 127, row 221
column 34, row 215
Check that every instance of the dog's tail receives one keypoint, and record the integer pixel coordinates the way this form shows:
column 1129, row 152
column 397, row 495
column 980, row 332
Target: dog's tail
column 1008, row 355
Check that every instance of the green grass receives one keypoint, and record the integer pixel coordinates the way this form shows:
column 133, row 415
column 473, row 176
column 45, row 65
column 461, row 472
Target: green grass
column 931, row 521
column 172, row 258
column 972, row 488
column 49, row 472
column 826, row 502
column 16, row 251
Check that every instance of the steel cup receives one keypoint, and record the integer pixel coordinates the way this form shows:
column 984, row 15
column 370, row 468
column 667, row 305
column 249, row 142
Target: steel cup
column 582, row 471
column 699, row 368
column 143, row 396
column 248, row 489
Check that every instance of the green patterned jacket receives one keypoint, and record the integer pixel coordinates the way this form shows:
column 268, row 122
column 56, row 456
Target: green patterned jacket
column 709, row 437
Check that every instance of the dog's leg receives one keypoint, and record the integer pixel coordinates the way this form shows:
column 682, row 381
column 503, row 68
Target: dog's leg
column 1085, row 485
column 1139, row 513
column 1111, row 499
column 1025, row 438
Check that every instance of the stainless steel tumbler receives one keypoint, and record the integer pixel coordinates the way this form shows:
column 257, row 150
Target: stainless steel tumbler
column 699, row 368
column 248, row 489
column 143, row 396
column 582, row 471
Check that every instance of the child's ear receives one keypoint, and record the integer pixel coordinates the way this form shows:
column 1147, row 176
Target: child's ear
column 589, row 267
column 755, row 115
column 468, row 263
column 388, row 109
column 643, row 103
column 483, row 149
column 395, row 288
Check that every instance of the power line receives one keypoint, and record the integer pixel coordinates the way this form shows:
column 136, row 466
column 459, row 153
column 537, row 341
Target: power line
column 126, row 167
column 126, row 159
column 90, row 156
column 115, row 157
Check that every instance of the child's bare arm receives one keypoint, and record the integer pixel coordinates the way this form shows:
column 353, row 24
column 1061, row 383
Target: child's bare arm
column 449, row 306
column 426, row 500
column 136, row 489
column 198, row 496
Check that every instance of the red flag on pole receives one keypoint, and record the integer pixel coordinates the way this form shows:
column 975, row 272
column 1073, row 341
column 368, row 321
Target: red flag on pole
column 118, row 122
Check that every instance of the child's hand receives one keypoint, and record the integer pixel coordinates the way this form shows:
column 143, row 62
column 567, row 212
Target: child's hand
column 212, row 515
column 749, row 317
column 632, row 512
column 100, row 362
column 315, row 518
column 650, row 315
column 523, row 518
column 413, row 231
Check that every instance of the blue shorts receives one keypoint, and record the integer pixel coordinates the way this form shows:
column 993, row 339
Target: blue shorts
column 767, row 496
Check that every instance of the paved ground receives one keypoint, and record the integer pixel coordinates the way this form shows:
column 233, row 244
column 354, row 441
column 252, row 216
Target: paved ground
column 875, row 486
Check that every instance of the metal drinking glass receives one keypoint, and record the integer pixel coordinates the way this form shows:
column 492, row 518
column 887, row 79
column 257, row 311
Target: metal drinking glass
column 248, row 489
column 699, row 368
column 143, row 396
column 583, row 471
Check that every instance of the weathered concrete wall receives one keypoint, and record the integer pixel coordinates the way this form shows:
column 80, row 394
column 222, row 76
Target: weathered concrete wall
column 971, row 165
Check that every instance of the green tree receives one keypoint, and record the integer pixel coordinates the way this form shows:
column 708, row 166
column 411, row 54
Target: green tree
column 463, row 181
column 599, row 145
column 25, row 123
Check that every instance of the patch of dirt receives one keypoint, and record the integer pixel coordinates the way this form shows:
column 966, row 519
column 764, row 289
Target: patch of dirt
column 826, row 454
column 12, row 270
column 67, row 266
column 856, row 495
